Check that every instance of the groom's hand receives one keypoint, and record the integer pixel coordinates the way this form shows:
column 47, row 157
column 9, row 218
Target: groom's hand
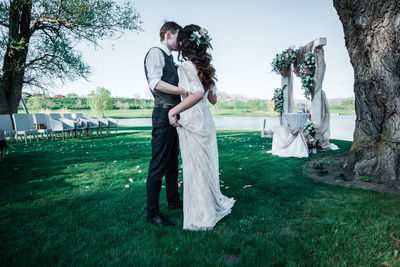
column 185, row 92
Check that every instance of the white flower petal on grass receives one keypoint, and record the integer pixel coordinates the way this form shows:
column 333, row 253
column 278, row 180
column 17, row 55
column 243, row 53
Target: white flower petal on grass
column 139, row 171
column 115, row 161
column 131, row 180
column 226, row 187
column 248, row 185
column 127, row 185
column 221, row 181
column 137, row 167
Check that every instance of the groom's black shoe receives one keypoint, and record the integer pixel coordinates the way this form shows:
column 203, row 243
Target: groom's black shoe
column 176, row 206
column 160, row 220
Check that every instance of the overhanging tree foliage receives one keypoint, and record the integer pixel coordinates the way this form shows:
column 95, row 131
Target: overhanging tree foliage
column 372, row 36
column 38, row 39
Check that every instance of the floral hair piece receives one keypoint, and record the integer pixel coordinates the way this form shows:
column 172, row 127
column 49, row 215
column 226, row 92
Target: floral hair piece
column 201, row 37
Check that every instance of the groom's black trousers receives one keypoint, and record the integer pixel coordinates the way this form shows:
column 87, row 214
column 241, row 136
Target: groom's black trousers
column 164, row 161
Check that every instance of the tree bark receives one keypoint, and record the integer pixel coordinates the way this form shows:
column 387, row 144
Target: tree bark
column 372, row 37
column 15, row 57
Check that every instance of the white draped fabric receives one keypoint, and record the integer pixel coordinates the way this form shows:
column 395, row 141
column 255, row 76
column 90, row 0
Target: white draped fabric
column 290, row 142
column 320, row 108
column 203, row 203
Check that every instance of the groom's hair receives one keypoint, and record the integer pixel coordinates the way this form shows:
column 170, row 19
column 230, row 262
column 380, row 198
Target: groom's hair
column 171, row 26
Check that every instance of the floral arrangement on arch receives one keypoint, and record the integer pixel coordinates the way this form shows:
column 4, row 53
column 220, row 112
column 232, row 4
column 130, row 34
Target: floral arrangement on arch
column 306, row 68
column 278, row 99
column 306, row 73
column 309, row 129
column 284, row 59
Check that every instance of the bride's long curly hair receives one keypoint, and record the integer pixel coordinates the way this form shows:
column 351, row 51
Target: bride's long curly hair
column 189, row 50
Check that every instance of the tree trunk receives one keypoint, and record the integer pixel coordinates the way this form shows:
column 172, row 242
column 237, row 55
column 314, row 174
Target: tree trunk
column 372, row 36
column 15, row 57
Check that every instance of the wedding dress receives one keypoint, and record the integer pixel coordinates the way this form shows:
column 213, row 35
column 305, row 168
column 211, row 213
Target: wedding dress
column 203, row 203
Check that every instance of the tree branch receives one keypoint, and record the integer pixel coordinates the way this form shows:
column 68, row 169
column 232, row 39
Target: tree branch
column 2, row 23
column 37, row 23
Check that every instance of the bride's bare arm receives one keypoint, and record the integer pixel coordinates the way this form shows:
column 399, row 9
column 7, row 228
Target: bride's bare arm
column 187, row 103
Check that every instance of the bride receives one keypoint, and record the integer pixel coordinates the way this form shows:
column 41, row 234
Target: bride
column 203, row 203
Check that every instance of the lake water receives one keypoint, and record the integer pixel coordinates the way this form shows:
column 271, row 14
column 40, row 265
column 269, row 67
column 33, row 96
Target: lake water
column 342, row 127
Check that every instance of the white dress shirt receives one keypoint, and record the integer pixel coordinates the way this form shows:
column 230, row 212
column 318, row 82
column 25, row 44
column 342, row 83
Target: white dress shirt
column 155, row 63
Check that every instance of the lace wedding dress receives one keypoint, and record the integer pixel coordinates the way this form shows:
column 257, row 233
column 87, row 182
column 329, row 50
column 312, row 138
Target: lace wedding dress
column 203, row 203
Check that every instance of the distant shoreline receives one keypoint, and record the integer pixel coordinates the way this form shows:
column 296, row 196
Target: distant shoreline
column 146, row 113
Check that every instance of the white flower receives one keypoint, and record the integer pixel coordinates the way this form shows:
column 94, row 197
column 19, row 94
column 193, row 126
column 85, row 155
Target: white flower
column 131, row 180
column 203, row 31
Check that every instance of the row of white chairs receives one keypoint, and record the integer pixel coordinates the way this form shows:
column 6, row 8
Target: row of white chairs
column 65, row 125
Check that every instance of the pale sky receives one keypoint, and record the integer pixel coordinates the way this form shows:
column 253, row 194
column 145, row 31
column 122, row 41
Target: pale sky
column 246, row 36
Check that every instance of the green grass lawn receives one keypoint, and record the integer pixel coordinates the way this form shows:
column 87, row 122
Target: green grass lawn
column 65, row 203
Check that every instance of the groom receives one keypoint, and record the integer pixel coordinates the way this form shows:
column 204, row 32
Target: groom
column 162, row 77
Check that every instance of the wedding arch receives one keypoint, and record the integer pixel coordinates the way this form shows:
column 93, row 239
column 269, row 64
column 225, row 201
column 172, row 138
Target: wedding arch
column 308, row 63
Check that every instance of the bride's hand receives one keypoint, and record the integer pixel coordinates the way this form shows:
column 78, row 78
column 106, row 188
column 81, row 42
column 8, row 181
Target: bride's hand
column 173, row 120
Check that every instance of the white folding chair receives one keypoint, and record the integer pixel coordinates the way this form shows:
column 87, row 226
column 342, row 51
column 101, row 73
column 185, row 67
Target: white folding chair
column 24, row 127
column 41, row 119
column 6, row 126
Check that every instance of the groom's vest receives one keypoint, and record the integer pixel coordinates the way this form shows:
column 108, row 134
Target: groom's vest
column 170, row 75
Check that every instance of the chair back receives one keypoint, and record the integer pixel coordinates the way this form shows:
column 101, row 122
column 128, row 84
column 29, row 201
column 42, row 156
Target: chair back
column 5, row 122
column 68, row 116
column 21, row 121
column 42, row 119
column 55, row 116
column 30, row 122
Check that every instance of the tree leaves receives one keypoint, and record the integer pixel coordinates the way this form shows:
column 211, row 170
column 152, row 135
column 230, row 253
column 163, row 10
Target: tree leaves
column 56, row 26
